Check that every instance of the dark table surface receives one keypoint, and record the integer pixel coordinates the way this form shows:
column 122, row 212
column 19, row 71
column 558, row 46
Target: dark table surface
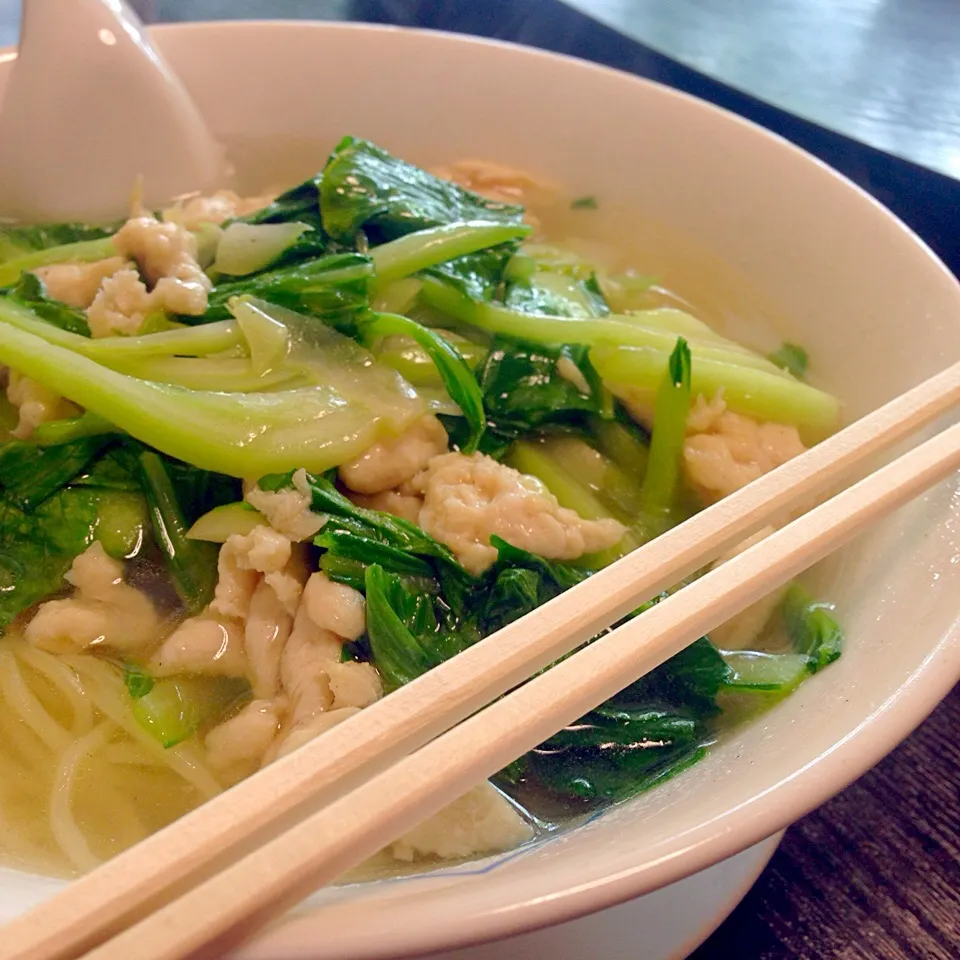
column 884, row 72
column 875, row 873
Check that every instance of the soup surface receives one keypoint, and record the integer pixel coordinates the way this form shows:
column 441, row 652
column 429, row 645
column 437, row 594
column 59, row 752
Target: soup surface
column 266, row 456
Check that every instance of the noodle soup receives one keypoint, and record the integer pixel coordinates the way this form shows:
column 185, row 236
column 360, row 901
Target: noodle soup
column 267, row 458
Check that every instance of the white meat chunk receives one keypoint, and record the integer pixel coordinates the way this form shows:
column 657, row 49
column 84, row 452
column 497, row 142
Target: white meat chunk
column 304, row 671
column 469, row 498
column 166, row 254
column 392, row 462
column 335, row 606
column 120, row 306
column 354, row 684
column 404, row 505
column 313, row 677
column 481, row 821
column 36, row 404
column 241, row 561
column 307, row 731
column 725, row 451
column 741, row 632
column 215, row 208
column 265, row 634
column 76, row 284
column 204, row 645
column 287, row 511
column 103, row 611
column 242, row 741
column 493, row 180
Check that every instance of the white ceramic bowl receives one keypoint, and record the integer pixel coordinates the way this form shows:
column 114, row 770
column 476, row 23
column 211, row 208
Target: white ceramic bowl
column 875, row 308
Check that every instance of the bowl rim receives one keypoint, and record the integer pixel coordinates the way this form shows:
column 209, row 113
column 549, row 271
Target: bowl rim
column 887, row 724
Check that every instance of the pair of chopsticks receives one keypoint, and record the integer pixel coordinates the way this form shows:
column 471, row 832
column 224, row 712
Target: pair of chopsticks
column 208, row 881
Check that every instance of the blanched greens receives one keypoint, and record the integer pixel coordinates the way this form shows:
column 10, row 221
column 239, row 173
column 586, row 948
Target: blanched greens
column 347, row 308
column 365, row 188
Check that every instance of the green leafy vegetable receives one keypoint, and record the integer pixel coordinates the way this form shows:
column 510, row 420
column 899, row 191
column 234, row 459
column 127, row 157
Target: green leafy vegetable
column 456, row 375
column 298, row 204
column 477, row 276
column 366, row 188
column 334, row 289
column 557, row 294
column 418, row 251
column 753, row 670
column 37, row 548
column 56, row 432
column 401, row 628
column 221, row 523
column 240, row 434
column 137, row 682
column 526, row 385
column 18, row 241
column 812, row 628
column 301, row 204
column 247, row 248
column 31, row 292
column 660, row 485
column 192, row 563
column 632, row 372
column 584, row 203
column 792, row 358
column 176, row 707
column 30, row 473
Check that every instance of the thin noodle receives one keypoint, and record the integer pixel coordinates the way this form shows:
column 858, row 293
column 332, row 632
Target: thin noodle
column 181, row 759
column 130, row 754
column 126, row 824
column 19, row 847
column 15, row 690
column 65, row 828
column 18, row 737
column 64, row 680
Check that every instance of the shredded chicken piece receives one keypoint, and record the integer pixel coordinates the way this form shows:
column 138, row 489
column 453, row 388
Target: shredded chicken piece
column 493, row 180
column 103, row 611
column 742, row 631
column 335, row 606
column 215, row 208
column 120, row 306
column 297, row 737
column 392, row 462
column 36, row 404
column 268, row 625
column 317, row 684
column 205, row 645
column 287, row 511
column 166, row 254
column 403, row 505
column 469, row 498
column 241, row 741
column 76, row 284
column 481, row 821
column 725, row 451
column 354, row 684
column 303, row 669
column 241, row 560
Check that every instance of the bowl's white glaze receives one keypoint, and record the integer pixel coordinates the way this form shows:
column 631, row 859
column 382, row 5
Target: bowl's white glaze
column 876, row 309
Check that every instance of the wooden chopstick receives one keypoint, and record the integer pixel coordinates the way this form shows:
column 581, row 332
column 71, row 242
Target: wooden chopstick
column 226, row 909
column 200, row 844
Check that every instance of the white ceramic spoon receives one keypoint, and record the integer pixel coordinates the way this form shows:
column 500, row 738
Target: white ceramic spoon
column 90, row 105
